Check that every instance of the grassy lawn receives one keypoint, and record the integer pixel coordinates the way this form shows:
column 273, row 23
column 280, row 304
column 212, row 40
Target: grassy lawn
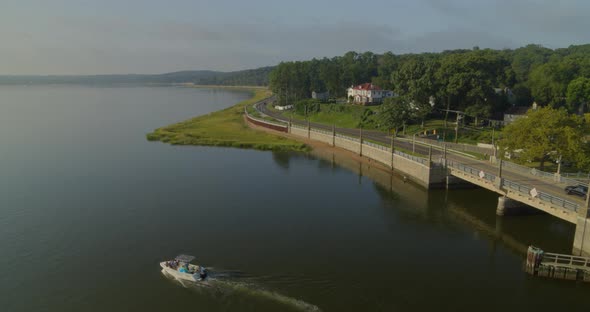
column 351, row 116
column 224, row 128
column 467, row 135
column 341, row 115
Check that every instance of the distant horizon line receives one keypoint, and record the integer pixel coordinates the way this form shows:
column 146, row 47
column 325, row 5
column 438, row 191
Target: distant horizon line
column 135, row 74
column 268, row 66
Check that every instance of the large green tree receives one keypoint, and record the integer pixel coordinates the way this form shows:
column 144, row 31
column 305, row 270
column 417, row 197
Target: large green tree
column 578, row 94
column 544, row 134
column 394, row 113
column 469, row 78
column 416, row 84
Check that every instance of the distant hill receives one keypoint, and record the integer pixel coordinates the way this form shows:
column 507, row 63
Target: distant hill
column 250, row 77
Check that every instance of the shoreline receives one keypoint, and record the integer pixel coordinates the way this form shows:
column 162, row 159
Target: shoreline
column 192, row 85
column 225, row 127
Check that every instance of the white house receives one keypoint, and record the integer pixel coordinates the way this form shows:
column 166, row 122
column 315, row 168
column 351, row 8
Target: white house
column 367, row 94
column 517, row 112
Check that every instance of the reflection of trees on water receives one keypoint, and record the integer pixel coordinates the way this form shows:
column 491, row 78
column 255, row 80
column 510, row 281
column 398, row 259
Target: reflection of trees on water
column 477, row 208
column 282, row 159
column 474, row 209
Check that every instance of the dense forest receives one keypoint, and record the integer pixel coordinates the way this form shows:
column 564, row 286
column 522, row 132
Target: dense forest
column 250, row 77
column 483, row 82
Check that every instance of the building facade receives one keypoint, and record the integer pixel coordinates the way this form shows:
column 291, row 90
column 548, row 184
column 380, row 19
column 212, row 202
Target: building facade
column 367, row 94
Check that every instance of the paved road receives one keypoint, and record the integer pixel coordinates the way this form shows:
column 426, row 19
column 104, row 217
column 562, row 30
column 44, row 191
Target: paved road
column 377, row 136
column 383, row 137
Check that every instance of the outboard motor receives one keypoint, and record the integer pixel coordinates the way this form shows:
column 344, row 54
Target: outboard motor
column 202, row 273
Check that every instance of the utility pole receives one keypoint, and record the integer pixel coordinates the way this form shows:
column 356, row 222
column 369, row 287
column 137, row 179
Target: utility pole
column 361, row 141
column 414, row 143
column 559, row 165
column 445, row 154
column 457, row 129
column 333, row 135
column 392, row 152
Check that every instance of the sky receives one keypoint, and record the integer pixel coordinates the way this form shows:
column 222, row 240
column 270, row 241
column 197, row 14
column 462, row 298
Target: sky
column 154, row 36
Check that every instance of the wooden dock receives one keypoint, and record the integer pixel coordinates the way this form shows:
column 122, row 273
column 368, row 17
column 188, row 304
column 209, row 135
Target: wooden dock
column 559, row 266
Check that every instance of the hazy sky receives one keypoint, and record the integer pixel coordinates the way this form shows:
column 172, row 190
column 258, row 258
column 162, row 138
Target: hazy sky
column 149, row 36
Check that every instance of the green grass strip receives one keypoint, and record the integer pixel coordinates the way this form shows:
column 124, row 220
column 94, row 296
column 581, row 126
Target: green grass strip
column 225, row 128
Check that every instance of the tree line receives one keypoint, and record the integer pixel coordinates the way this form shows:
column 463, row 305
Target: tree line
column 481, row 82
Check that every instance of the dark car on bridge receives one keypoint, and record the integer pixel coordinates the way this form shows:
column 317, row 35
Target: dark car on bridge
column 580, row 190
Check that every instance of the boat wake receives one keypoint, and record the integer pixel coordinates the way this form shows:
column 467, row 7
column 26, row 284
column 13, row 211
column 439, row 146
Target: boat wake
column 225, row 284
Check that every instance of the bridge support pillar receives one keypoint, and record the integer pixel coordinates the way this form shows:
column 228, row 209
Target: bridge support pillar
column 582, row 236
column 511, row 207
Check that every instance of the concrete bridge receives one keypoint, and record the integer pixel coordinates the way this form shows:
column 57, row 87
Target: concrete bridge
column 517, row 194
column 436, row 166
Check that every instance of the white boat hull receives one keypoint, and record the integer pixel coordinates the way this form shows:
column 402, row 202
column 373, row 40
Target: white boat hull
column 180, row 275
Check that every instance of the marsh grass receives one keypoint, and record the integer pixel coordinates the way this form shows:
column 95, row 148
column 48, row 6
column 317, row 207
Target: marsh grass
column 225, row 128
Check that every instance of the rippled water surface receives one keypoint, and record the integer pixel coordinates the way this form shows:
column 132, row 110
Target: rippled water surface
column 88, row 208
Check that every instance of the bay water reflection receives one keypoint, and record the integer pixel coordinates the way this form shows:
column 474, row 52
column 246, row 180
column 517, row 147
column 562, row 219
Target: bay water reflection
column 88, row 208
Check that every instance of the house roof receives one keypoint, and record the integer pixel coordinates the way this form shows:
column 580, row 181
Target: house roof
column 366, row 86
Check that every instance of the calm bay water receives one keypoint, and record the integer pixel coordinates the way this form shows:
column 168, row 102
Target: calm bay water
column 88, row 208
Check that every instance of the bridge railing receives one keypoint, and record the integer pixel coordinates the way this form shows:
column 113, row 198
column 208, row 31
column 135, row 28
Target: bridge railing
column 553, row 200
column 346, row 137
column 454, row 146
column 377, row 146
column 421, row 160
column 264, row 121
column 578, row 176
column 548, row 176
column 417, row 159
column 294, row 125
column 520, row 188
column 570, row 181
column 472, row 171
column 322, row 131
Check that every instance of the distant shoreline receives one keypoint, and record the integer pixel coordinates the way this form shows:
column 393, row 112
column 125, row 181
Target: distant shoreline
column 192, row 85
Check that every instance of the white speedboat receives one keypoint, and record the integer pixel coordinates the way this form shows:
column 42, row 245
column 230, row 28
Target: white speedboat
column 181, row 269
